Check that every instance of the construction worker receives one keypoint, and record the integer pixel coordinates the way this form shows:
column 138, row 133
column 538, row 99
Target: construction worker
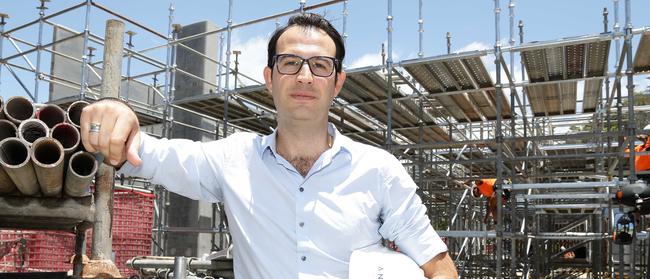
column 485, row 188
column 642, row 162
column 568, row 254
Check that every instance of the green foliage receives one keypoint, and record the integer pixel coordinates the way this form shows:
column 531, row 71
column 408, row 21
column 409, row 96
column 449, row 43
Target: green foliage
column 641, row 98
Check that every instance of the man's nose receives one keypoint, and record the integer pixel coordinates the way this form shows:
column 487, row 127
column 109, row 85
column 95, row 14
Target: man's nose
column 305, row 75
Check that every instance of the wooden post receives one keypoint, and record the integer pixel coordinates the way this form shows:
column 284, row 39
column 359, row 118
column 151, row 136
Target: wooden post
column 101, row 263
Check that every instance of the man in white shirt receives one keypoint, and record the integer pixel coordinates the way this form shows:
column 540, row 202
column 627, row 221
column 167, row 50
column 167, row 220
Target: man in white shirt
column 298, row 201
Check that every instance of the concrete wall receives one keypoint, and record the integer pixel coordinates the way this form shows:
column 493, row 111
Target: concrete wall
column 70, row 70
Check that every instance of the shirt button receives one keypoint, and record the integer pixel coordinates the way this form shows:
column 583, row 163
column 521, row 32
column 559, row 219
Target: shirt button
column 303, row 258
column 301, row 224
column 301, row 189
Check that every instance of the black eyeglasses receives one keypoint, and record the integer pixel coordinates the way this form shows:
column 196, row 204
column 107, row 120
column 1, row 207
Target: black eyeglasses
column 290, row 64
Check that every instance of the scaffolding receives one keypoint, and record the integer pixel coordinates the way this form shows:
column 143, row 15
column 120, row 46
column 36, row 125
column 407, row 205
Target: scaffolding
column 443, row 116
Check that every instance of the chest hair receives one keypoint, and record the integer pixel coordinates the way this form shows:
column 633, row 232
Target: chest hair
column 303, row 164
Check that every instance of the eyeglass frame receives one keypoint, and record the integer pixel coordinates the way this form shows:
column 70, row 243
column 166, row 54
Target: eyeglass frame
column 334, row 60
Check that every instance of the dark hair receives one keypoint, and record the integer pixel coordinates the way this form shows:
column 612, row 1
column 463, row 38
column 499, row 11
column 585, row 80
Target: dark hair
column 308, row 20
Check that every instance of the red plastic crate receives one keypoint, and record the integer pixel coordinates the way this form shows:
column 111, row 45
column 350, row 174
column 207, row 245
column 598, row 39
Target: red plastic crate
column 44, row 251
column 132, row 227
column 52, row 251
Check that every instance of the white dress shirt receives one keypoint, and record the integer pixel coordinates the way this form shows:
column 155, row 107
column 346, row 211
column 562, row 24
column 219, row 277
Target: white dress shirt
column 284, row 225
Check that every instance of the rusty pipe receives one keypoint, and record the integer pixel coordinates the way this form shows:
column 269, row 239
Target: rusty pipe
column 47, row 156
column 7, row 129
column 15, row 160
column 81, row 170
column 51, row 115
column 18, row 109
column 6, row 184
column 32, row 129
column 68, row 136
column 2, row 108
column 74, row 112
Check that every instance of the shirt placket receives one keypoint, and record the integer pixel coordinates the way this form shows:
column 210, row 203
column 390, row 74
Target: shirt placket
column 306, row 193
column 303, row 195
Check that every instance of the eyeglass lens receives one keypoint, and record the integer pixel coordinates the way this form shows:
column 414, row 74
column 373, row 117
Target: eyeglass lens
column 318, row 65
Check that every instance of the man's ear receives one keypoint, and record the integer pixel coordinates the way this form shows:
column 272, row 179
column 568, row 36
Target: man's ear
column 268, row 79
column 340, row 80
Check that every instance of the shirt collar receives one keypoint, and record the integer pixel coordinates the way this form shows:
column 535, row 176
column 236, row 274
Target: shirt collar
column 268, row 143
column 339, row 141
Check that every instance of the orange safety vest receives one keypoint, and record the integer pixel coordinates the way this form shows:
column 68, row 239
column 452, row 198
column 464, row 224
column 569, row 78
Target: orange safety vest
column 486, row 187
column 642, row 163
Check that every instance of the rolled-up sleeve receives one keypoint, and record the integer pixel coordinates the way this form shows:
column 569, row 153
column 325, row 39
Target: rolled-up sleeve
column 188, row 168
column 404, row 217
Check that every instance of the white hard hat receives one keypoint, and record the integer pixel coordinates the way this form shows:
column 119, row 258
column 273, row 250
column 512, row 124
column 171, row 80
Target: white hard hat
column 647, row 127
column 377, row 261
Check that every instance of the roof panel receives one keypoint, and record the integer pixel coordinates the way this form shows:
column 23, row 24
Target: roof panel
column 593, row 89
column 555, row 63
column 575, row 57
column 554, row 99
column 466, row 107
column 479, row 73
column 597, row 57
column 484, row 103
column 536, row 99
column 214, row 108
column 458, row 74
column 455, row 68
column 357, row 88
column 567, row 91
column 450, row 106
column 505, row 109
column 353, row 92
column 535, row 64
column 424, row 77
column 440, row 72
column 377, row 92
column 567, row 61
column 642, row 57
column 262, row 97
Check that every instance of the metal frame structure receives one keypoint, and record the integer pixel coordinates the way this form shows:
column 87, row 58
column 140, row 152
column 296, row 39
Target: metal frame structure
column 447, row 120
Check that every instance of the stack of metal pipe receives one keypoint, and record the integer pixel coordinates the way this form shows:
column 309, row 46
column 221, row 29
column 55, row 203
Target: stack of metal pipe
column 41, row 152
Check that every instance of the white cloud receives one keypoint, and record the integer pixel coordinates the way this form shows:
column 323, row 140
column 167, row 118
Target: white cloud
column 368, row 59
column 474, row 46
column 252, row 59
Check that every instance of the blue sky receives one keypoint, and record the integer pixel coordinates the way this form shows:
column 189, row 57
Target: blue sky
column 471, row 23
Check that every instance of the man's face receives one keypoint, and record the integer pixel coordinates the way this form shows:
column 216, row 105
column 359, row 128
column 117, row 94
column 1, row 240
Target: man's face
column 303, row 96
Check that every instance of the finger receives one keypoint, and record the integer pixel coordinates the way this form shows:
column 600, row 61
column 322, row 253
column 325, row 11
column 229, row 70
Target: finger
column 133, row 148
column 93, row 136
column 105, row 133
column 118, row 138
column 87, row 115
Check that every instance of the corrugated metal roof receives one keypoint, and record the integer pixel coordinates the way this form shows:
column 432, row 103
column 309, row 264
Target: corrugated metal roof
column 561, row 63
column 459, row 74
column 642, row 57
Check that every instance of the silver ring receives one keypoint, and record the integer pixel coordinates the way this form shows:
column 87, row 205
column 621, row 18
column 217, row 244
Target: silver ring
column 94, row 127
